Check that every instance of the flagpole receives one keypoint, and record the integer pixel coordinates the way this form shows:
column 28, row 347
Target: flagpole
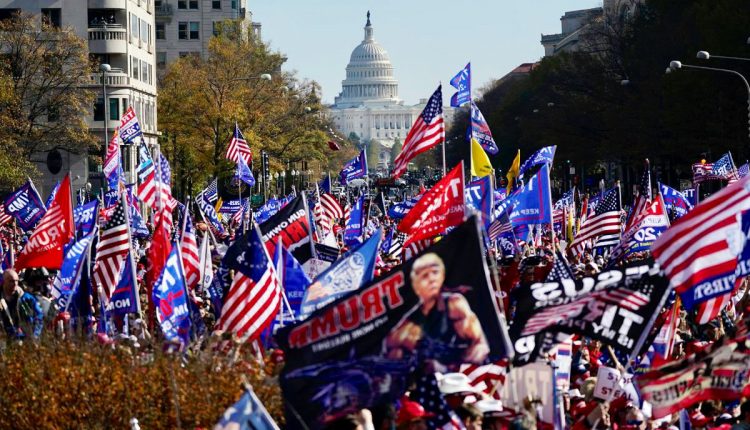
column 211, row 233
column 126, row 209
column 551, row 214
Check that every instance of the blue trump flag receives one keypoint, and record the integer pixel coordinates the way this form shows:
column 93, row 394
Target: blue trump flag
column 480, row 130
column 347, row 274
column 542, row 156
column 400, row 209
column 478, row 197
column 52, row 195
column 354, row 226
column 676, row 203
column 68, row 278
column 532, row 204
column 267, row 210
column 85, row 217
column 294, row 281
column 138, row 227
column 210, row 214
column 354, row 168
column 25, row 205
column 170, row 299
column 124, row 298
column 247, row 414
column 462, row 83
column 325, row 185
column 243, row 173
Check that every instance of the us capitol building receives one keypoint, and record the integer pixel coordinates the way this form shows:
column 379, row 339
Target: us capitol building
column 368, row 104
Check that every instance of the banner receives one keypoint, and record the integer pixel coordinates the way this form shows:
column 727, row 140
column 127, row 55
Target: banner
column 124, row 299
column 354, row 168
column 543, row 156
column 210, row 215
column 170, row 300
column 353, row 232
column 532, row 203
column 67, row 279
column 365, row 343
column 292, row 224
column 25, row 205
column 615, row 307
column 230, row 207
column 347, row 274
column 130, row 128
column 85, row 217
column 676, row 202
column 462, row 83
column 721, row 374
column 439, row 208
column 399, row 210
column 478, row 196
column 647, row 226
column 480, row 131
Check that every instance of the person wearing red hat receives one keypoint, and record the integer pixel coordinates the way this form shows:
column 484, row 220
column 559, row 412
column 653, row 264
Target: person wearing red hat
column 412, row 416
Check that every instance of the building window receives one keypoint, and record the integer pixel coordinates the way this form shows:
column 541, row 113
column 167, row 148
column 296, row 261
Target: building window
column 144, row 72
column 216, row 4
column 181, row 4
column 161, row 60
column 133, row 25
column 184, row 54
column 134, row 67
column 161, row 31
column 145, row 32
column 234, row 4
column 217, row 27
column 195, row 28
column 182, row 30
column 99, row 109
column 124, row 104
column 193, row 4
column 51, row 17
column 114, row 105
column 150, row 74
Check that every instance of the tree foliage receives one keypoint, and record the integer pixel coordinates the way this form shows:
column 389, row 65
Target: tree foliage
column 44, row 72
column 201, row 100
column 611, row 103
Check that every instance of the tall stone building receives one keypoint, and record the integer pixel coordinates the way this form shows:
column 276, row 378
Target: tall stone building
column 119, row 33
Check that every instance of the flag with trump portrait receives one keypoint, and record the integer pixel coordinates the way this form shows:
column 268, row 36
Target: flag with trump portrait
column 364, row 344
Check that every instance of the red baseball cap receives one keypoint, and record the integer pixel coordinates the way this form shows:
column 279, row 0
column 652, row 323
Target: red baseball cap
column 411, row 411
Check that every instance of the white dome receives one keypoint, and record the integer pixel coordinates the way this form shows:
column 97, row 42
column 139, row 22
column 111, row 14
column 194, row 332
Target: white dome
column 369, row 75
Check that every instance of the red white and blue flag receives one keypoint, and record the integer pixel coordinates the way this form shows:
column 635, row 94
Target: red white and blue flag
column 427, row 132
column 189, row 250
column 238, row 147
column 699, row 252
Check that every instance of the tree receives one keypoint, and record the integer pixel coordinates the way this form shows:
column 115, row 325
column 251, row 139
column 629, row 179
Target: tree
column 279, row 116
column 45, row 71
column 396, row 149
column 373, row 153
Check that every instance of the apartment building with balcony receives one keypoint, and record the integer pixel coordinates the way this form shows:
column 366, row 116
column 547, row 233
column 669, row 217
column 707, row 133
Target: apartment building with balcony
column 184, row 27
column 120, row 33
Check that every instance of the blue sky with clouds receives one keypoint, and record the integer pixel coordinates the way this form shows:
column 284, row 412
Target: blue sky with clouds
column 428, row 40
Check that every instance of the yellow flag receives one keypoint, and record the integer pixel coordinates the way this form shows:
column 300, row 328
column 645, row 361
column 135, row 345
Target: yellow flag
column 513, row 172
column 219, row 204
column 480, row 162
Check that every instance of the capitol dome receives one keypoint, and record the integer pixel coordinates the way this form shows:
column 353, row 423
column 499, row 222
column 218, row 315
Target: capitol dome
column 369, row 75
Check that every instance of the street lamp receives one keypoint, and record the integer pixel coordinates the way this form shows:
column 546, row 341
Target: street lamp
column 105, row 68
column 704, row 55
column 676, row 65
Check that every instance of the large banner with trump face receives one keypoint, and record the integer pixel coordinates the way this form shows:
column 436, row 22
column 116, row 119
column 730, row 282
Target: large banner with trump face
column 435, row 311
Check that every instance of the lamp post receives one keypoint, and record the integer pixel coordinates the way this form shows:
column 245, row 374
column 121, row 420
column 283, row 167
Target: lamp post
column 105, row 68
column 704, row 55
column 676, row 65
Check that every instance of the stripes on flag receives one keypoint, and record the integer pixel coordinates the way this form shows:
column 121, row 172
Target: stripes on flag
column 4, row 216
column 189, row 251
column 605, row 221
column 238, row 147
column 111, row 250
column 427, row 132
column 489, row 378
column 331, row 207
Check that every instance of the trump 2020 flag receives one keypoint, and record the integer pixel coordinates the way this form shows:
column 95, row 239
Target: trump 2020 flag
column 676, row 203
column 67, row 279
column 354, row 226
column 85, row 217
column 480, row 131
column 130, row 128
column 478, row 196
column 25, row 205
column 170, row 299
column 355, row 168
column 243, row 173
column 54, row 231
column 532, row 204
column 293, row 280
column 543, row 156
column 124, row 299
column 462, row 82
column 345, row 275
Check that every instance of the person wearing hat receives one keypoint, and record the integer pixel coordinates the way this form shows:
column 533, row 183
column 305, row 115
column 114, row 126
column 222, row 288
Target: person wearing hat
column 444, row 328
column 470, row 416
column 492, row 414
column 412, row 416
column 455, row 388
column 743, row 422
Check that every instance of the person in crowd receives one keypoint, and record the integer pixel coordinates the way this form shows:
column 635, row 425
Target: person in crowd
column 21, row 313
column 412, row 416
column 470, row 416
column 743, row 422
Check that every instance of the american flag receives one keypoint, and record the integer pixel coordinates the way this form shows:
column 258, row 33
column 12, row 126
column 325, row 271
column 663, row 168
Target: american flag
column 4, row 216
column 112, row 159
column 605, row 221
column 254, row 298
column 146, row 177
column 427, row 393
column 695, row 251
column 743, row 170
column 238, row 147
column 331, row 207
column 347, row 213
column 211, row 193
column 189, row 251
column 499, row 226
column 560, row 269
column 427, row 132
column 164, row 191
column 415, row 247
column 397, row 244
column 111, row 251
column 643, row 199
column 489, row 378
